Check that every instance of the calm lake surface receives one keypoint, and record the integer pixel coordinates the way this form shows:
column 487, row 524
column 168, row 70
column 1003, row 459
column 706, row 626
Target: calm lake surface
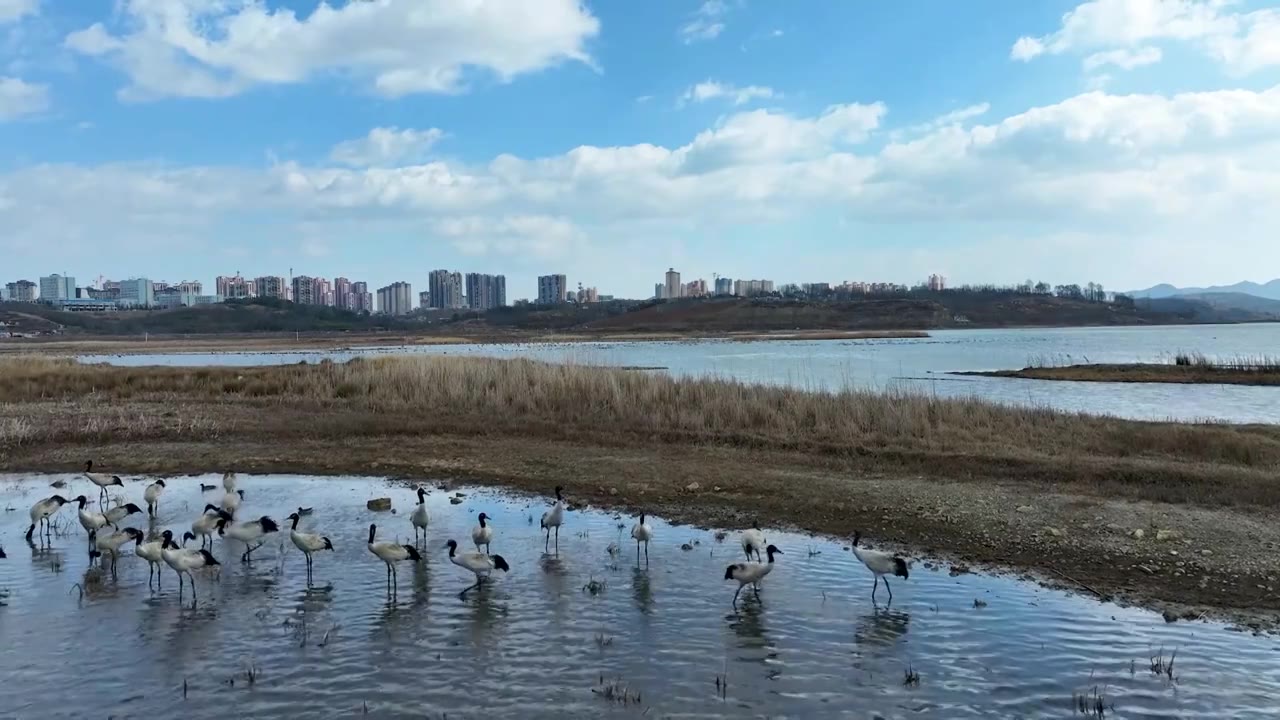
column 535, row 644
column 919, row 365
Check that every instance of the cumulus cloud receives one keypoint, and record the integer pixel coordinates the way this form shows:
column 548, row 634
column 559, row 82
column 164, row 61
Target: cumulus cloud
column 208, row 48
column 712, row 90
column 1242, row 42
column 386, row 146
column 706, row 23
column 1130, row 176
column 19, row 98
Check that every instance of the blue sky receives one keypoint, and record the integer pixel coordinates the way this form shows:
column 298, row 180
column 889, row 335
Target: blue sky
column 1124, row 141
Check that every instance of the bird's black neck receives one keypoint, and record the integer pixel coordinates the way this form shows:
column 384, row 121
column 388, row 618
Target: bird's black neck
column 295, row 522
column 482, row 521
column 372, row 531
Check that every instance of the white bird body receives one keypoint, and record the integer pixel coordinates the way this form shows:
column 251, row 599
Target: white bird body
column 751, row 573
column 642, row 532
column 183, row 561
column 204, row 526
column 120, row 512
column 229, row 482
column 102, row 480
column 391, row 553
column 753, row 541
column 152, row 496
column 151, row 552
column 250, row 533
column 420, row 519
column 881, row 564
column 89, row 520
column 231, row 501
column 482, row 534
column 308, row 543
column 554, row 518
column 478, row 563
column 43, row 510
column 111, row 544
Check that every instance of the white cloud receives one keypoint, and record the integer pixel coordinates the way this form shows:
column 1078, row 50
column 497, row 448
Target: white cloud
column 14, row 10
column 707, row 22
column 216, row 48
column 19, row 98
column 1123, row 59
column 712, row 90
column 1242, row 41
column 1165, row 178
column 385, row 146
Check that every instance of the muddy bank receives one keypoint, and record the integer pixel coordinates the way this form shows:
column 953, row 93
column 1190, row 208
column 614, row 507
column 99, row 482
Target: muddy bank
column 1185, row 562
column 1141, row 373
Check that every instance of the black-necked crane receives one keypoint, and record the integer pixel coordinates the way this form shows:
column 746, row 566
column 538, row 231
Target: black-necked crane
column 751, row 573
column 642, row 532
column 420, row 518
column 482, row 534
column 102, row 480
column 554, row 518
column 391, row 553
column 308, row 543
column 152, row 496
column 481, row 564
column 183, row 561
column 42, row 511
column 881, row 564
column 251, row 533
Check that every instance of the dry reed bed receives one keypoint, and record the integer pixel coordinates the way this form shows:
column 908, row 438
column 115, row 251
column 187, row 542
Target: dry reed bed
column 516, row 393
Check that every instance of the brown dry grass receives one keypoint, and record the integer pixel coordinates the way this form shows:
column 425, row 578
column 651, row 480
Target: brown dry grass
column 57, row 401
column 1181, row 374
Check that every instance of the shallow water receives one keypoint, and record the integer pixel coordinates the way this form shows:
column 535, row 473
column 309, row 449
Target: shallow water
column 916, row 364
column 535, row 644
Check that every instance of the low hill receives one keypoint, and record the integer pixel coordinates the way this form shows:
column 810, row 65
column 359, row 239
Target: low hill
column 1269, row 290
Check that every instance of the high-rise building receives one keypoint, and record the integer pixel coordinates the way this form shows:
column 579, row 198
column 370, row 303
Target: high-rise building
column 137, row 292
column 937, row 283
column 486, row 291
column 552, row 289
column 304, row 290
column 271, row 286
column 342, row 295
column 724, row 286
column 751, row 288
column 695, row 288
column 361, row 298
column 659, row 291
column 396, row 299
column 444, row 290
column 21, row 291
column 322, row 292
column 57, row 287
column 674, row 289
column 234, row 287
column 587, row 295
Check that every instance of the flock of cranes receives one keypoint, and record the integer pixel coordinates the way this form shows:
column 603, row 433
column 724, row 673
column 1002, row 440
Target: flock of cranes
column 220, row 519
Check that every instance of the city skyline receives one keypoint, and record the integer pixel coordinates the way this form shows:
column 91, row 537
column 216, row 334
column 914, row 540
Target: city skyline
column 1129, row 141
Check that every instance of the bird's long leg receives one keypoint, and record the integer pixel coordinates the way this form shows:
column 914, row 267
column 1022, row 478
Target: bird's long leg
column 180, row 585
column 469, row 589
column 159, row 574
column 886, row 587
column 735, row 596
column 646, row 552
column 755, row 587
column 546, row 542
column 874, row 586
column 194, row 598
column 557, row 539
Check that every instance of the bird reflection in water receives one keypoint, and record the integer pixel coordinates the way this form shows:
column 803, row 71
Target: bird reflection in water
column 748, row 625
column 642, row 590
column 881, row 628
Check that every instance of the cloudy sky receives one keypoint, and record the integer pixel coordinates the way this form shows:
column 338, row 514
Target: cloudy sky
column 1123, row 141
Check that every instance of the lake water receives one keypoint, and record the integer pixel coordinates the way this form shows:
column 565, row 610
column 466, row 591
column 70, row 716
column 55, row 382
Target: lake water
column 917, row 364
column 535, row 643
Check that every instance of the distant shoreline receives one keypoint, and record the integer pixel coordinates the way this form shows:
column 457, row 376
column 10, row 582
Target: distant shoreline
column 1141, row 373
column 301, row 343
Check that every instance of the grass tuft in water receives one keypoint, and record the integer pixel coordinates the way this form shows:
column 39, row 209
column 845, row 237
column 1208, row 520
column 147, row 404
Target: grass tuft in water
column 911, row 678
column 603, row 641
column 1091, row 704
column 616, row 692
column 1161, row 666
column 595, row 587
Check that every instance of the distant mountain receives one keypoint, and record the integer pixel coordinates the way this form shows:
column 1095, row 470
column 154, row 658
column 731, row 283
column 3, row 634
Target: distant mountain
column 1269, row 290
column 1237, row 301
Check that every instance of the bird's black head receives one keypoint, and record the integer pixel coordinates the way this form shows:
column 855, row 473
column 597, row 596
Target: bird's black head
column 641, row 518
column 222, row 525
column 900, row 567
column 755, row 524
column 88, row 465
column 422, row 492
column 225, row 515
column 167, row 534
column 373, row 530
column 130, row 509
column 293, row 516
column 82, row 500
column 483, row 517
column 500, row 563
column 772, row 550
column 559, row 491
column 115, row 480
column 211, row 506
column 453, row 546
column 240, row 493
column 160, row 483
column 268, row 525
column 133, row 533
column 59, row 499
column 188, row 536
column 857, row 535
